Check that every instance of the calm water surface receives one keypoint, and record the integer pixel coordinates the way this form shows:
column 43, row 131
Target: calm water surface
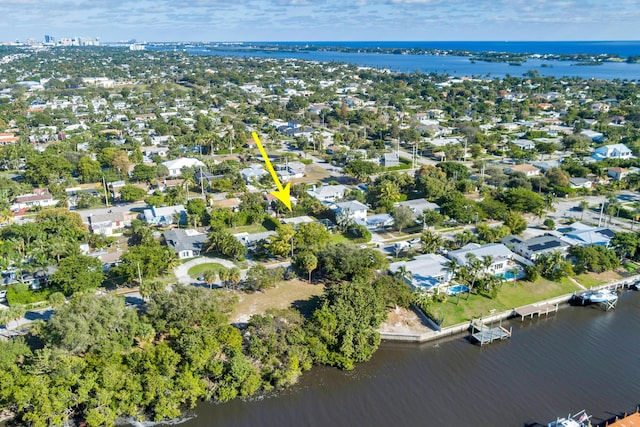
column 581, row 357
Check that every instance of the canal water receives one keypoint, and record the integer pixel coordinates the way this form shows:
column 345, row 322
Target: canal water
column 578, row 358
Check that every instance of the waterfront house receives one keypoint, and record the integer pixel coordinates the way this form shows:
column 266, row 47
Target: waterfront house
column 428, row 271
column 536, row 246
column 186, row 243
column 501, row 257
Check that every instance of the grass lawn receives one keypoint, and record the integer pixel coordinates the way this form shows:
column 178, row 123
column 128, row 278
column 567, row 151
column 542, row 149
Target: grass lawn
column 290, row 293
column 253, row 228
column 631, row 267
column 510, row 296
column 594, row 279
column 201, row 268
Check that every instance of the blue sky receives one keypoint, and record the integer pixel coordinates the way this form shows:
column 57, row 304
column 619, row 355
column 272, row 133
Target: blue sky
column 262, row 20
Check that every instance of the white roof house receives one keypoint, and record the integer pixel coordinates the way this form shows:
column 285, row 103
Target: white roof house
column 356, row 209
column 253, row 172
column 613, row 151
column 501, row 256
column 175, row 166
column 427, row 271
column 328, row 193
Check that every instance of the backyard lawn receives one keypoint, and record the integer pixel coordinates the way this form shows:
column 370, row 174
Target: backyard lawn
column 511, row 295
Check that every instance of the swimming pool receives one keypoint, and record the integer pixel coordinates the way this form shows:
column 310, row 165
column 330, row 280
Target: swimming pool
column 454, row 290
column 508, row 275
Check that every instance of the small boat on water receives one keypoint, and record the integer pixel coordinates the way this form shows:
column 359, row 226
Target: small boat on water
column 604, row 295
column 581, row 419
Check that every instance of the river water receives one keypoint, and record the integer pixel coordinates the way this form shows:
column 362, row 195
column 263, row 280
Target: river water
column 578, row 358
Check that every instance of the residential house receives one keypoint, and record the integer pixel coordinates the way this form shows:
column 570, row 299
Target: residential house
column 418, row 206
column 297, row 221
column 40, row 198
column 250, row 241
column 186, row 243
column 578, row 182
column 391, row 160
column 586, row 235
column 592, row 135
column 501, row 256
column 525, row 144
column 428, row 271
column 175, row 166
column 165, row 215
column 107, row 223
column 206, row 177
column 614, row 151
column 290, row 170
column 253, row 173
column 352, row 208
column 376, row 222
column 8, row 138
column 618, row 174
column 527, row 169
column 536, row 246
column 328, row 193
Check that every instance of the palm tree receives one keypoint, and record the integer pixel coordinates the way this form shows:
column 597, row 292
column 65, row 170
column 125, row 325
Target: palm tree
column 431, row 241
column 475, row 266
column 210, row 277
column 234, row 276
column 403, row 274
column 584, row 205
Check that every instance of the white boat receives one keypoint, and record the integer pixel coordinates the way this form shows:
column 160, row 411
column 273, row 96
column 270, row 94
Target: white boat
column 581, row 419
column 604, row 295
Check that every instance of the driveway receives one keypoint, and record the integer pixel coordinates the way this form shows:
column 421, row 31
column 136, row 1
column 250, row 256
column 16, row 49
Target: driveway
column 182, row 271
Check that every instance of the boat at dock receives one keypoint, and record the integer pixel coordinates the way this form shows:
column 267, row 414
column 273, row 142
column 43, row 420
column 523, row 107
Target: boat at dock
column 604, row 295
column 581, row 419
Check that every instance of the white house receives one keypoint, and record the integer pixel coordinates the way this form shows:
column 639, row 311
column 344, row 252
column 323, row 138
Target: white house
column 428, row 271
column 354, row 208
column 106, row 224
column 613, row 151
column 175, row 166
column 501, row 256
column 253, row 172
column 536, row 246
column 39, row 197
column 164, row 215
column 328, row 193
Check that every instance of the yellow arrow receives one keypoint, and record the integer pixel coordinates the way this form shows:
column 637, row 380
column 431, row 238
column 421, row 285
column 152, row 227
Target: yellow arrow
column 282, row 194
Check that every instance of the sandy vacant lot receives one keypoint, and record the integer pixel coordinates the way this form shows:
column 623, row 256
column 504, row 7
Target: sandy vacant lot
column 284, row 295
column 403, row 321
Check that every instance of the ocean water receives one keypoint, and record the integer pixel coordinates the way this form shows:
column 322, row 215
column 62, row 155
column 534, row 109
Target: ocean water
column 456, row 65
column 578, row 358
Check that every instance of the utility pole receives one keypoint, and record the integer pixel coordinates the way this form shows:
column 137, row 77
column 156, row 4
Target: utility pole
column 104, row 187
column 601, row 211
column 139, row 275
column 201, row 182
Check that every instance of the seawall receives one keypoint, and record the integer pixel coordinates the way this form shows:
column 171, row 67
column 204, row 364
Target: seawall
column 495, row 317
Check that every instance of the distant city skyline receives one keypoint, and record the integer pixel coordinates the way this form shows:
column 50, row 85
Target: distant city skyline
column 321, row 20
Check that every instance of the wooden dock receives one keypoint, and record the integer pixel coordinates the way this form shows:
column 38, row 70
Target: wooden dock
column 632, row 420
column 483, row 334
column 536, row 309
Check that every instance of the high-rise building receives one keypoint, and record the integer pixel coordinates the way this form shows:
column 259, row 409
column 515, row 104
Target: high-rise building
column 49, row 39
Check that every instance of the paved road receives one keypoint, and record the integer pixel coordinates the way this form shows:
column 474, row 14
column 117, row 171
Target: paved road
column 181, row 272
